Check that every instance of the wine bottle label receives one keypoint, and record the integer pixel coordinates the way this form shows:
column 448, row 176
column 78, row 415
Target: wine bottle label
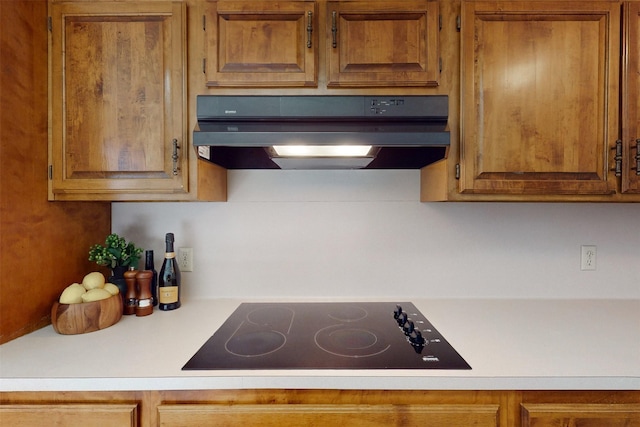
column 168, row 294
column 169, row 255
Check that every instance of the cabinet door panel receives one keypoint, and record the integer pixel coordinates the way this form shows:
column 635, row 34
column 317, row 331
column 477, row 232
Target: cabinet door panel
column 262, row 43
column 631, row 99
column 382, row 43
column 325, row 415
column 539, row 97
column 580, row 415
column 118, row 98
column 69, row 415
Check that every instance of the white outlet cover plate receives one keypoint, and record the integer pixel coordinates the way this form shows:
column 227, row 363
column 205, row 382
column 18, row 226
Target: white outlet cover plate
column 185, row 259
column 588, row 257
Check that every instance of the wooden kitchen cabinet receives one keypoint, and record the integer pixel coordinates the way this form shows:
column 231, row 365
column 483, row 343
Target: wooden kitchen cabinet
column 118, row 101
column 262, row 43
column 382, row 43
column 188, row 415
column 278, row 44
column 69, row 415
column 630, row 143
column 539, row 97
column 580, row 414
column 278, row 407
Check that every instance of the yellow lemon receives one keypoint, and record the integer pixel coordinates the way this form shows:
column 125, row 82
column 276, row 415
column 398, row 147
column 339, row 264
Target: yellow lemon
column 95, row 295
column 72, row 294
column 93, row 280
column 111, row 288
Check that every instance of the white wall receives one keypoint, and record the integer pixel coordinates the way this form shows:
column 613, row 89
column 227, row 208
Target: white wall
column 365, row 234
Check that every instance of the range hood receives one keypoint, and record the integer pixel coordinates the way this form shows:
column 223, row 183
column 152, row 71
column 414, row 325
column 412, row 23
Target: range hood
column 308, row 132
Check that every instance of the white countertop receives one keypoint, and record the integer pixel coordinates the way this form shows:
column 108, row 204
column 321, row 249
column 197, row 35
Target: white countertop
column 510, row 345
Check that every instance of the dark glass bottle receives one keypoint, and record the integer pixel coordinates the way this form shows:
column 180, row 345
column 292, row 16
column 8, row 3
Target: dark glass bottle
column 148, row 265
column 169, row 278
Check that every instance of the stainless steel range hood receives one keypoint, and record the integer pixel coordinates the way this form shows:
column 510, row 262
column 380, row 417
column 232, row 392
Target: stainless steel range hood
column 251, row 132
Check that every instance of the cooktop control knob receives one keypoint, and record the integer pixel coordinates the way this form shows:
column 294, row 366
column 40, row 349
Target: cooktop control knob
column 409, row 327
column 397, row 312
column 402, row 319
column 416, row 338
column 417, row 341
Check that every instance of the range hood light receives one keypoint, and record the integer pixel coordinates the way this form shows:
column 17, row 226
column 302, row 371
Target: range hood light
column 322, row 150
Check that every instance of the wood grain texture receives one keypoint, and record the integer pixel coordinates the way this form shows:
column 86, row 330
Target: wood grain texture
column 631, row 98
column 464, row 407
column 328, row 415
column 434, row 185
column 382, row 43
column 541, row 98
column 124, row 78
column 261, row 43
column 69, row 415
column 580, row 415
column 43, row 246
column 71, row 319
column 118, row 100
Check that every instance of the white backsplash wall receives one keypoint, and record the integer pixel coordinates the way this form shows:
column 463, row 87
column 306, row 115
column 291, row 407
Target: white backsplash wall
column 360, row 234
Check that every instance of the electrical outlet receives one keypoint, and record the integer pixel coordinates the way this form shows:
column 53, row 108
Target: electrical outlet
column 185, row 259
column 588, row 257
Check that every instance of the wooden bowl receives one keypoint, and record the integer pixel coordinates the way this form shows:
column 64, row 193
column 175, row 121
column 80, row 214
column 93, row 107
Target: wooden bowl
column 71, row 319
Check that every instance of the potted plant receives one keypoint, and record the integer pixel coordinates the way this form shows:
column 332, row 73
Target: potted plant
column 117, row 254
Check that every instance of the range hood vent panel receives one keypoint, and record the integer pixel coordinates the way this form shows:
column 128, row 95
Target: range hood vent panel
column 409, row 131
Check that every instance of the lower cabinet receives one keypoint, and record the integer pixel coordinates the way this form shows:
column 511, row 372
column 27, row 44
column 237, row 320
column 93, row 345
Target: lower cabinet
column 580, row 414
column 69, row 415
column 343, row 415
column 343, row 408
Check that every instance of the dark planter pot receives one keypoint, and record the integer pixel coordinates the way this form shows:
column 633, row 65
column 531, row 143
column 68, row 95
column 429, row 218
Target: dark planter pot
column 117, row 278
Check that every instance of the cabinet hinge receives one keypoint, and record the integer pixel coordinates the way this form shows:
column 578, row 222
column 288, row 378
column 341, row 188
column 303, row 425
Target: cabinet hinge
column 457, row 170
column 204, row 22
column 618, row 158
column 49, row 24
column 204, row 65
column 458, row 23
column 50, row 172
column 440, row 22
column 637, row 168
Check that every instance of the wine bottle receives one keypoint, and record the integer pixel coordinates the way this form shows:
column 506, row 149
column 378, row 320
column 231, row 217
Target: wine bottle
column 169, row 279
column 148, row 265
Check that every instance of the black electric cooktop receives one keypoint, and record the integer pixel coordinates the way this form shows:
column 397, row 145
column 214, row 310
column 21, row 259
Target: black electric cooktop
column 345, row 335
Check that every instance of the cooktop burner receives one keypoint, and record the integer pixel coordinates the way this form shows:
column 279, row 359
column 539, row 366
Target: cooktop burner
column 344, row 335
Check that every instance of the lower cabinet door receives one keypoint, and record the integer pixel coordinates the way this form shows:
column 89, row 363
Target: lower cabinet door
column 69, row 415
column 196, row 415
column 580, row 415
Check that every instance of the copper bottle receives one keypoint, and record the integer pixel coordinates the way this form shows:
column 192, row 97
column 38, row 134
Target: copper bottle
column 144, row 305
column 130, row 299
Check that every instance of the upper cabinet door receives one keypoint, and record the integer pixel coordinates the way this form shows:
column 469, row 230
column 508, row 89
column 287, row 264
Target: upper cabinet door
column 382, row 43
column 539, row 98
column 261, row 43
column 117, row 100
column 631, row 99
